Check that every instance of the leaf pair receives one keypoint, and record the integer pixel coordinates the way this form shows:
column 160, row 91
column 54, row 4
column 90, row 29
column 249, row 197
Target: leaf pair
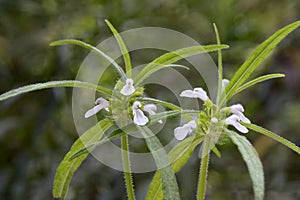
column 53, row 84
column 131, row 128
column 67, row 167
column 251, row 157
column 255, row 59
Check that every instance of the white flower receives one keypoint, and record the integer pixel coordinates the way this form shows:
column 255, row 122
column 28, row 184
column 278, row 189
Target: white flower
column 214, row 120
column 234, row 121
column 196, row 93
column 182, row 131
column 138, row 116
column 238, row 110
column 100, row 103
column 224, row 83
column 151, row 110
column 128, row 88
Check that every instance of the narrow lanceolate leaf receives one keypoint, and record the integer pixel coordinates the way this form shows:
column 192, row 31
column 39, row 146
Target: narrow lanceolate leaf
column 252, row 161
column 220, row 64
column 256, row 58
column 274, row 136
column 216, row 151
column 91, row 48
column 258, row 80
column 178, row 157
column 118, row 132
column 169, row 184
column 66, row 169
column 171, row 57
column 123, row 48
column 53, row 84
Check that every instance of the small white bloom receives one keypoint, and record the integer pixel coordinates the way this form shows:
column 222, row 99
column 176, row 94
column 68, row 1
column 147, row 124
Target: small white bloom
column 234, row 121
column 100, row 103
column 196, row 93
column 224, row 83
column 182, row 131
column 151, row 110
column 128, row 88
column 139, row 117
column 238, row 110
column 214, row 120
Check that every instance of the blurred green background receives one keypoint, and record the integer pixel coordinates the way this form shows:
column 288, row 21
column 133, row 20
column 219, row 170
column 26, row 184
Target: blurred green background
column 37, row 129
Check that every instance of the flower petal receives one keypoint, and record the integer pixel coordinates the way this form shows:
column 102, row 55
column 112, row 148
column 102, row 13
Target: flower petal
column 139, row 118
column 100, row 103
column 240, row 127
column 188, row 93
column 191, row 124
column 93, row 110
column 150, row 108
column 181, row 132
column 214, row 120
column 224, row 83
column 101, row 100
column 242, row 117
column 128, row 88
column 136, row 105
column 231, row 119
column 234, row 121
column 237, row 108
column 200, row 93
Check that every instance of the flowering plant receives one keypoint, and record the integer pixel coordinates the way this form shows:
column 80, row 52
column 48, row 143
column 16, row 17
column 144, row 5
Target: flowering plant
column 129, row 110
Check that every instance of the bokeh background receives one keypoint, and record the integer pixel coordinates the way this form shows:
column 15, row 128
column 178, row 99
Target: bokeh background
column 37, row 129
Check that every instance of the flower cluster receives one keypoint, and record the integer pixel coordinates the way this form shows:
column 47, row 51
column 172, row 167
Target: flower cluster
column 234, row 119
column 139, row 117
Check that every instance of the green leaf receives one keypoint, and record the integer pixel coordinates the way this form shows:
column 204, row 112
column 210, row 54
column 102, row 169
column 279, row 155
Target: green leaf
column 169, row 184
column 53, row 84
column 171, row 57
column 258, row 80
column 220, row 64
column 253, row 163
column 118, row 132
column 178, row 157
column 123, row 48
column 177, row 65
column 274, row 136
column 66, row 169
column 216, row 151
column 92, row 48
column 256, row 58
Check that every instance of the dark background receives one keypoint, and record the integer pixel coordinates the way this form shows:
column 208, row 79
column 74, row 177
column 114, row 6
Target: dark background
column 37, row 129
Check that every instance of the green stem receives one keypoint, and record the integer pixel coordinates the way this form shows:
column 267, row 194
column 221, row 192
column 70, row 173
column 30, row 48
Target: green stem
column 203, row 170
column 126, row 168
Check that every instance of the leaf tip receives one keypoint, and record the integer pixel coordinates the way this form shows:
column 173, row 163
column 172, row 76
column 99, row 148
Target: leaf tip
column 52, row 44
column 108, row 23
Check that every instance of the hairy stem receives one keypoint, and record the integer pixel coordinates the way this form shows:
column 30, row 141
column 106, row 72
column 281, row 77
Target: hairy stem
column 126, row 168
column 203, row 169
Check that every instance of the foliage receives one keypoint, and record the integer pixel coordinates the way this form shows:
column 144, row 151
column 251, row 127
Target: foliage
column 240, row 88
